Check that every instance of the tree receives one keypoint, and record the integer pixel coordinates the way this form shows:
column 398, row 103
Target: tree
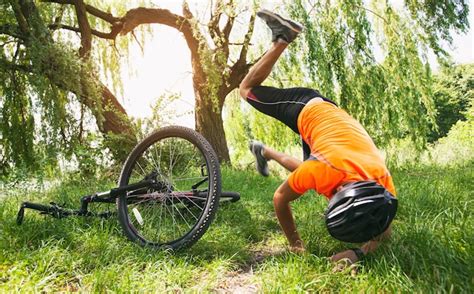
column 453, row 94
column 372, row 59
column 32, row 31
column 215, row 75
column 42, row 76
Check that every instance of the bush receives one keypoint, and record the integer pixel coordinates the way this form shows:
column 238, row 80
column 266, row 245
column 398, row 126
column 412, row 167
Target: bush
column 458, row 146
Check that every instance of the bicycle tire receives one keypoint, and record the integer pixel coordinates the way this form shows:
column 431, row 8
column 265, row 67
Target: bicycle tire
column 208, row 211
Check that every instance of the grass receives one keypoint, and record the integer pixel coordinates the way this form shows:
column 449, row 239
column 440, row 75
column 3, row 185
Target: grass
column 431, row 249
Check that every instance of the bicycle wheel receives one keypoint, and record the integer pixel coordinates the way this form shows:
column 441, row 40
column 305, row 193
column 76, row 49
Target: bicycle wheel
column 179, row 160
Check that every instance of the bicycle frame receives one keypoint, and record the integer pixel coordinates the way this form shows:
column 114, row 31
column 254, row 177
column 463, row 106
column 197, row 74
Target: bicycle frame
column 193, row 196
column 101, row 197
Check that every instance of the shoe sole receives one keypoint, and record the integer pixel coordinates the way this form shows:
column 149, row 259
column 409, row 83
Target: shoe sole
column 254, row 152
column 281, row 20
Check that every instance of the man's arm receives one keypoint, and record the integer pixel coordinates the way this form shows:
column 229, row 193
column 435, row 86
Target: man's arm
column 281, row 200
column 368, row 247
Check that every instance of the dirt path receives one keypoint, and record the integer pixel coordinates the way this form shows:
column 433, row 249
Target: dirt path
column 244, row 280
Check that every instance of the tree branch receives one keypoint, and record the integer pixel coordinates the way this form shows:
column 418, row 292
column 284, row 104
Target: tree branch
column 225, row 35
column 84, row 27
column 20, row 18
column 213, row 24
column 373, row 12
column 237, row 73
column 108, row 17
column 110, row 36
column 137, row 16
column 229, row 24
column 240, row 68
column 11, row 30
column 228, row 27
column 248, row 36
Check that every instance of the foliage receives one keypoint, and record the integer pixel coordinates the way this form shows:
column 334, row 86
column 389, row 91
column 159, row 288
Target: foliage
column 458, row 146
column 439, row 18
column 431, row 248
column 44, row 80
column 455, row 149
column 243, row 123
column 391, row 97
column 370, row 58
column 453, row 92
column 164, row 113
column 39, row 119
column 50, row 97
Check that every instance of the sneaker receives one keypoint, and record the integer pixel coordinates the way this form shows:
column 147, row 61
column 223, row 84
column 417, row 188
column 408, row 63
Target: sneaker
column 282, row 28
column 256, row 148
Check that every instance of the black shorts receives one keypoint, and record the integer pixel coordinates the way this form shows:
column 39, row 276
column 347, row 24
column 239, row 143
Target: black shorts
column 284, row 104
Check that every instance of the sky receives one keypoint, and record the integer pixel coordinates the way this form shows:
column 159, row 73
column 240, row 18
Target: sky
column 165, row 66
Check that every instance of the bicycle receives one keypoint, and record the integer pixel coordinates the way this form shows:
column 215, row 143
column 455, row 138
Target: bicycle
column 169, row 191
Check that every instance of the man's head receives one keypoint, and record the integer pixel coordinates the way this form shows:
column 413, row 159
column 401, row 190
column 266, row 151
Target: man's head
column 360, row 211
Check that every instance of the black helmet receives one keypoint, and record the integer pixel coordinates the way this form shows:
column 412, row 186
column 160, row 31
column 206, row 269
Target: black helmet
column 360, row 211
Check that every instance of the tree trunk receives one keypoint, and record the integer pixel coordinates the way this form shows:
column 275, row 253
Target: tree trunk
column 116, row 126
column 208, row 117
column 209, row 123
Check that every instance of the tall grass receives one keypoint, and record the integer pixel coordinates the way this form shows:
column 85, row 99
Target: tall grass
column 431, row 249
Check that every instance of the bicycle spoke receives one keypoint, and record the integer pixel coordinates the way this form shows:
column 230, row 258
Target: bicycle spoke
column 201, row 208
column 189, row 226
column 159, row 224
column 185, row 206
column 155, row 162
column 143, row 174
column 177, row 210
column 172, row 217
column 188, row 164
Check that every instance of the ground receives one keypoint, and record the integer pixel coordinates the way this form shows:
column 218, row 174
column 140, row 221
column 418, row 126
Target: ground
column 244, row 250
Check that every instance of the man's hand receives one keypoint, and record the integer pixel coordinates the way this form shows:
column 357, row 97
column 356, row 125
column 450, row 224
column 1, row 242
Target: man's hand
column 345, row 260
column 347, row 254
column 298, row 247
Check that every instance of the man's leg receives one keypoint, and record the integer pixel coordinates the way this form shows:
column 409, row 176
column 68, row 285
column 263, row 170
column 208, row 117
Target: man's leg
column 288, row 162
column 262, row 69
column 263, row 154
column 284, row 31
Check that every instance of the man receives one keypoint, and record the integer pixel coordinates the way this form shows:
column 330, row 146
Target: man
column 341, row 160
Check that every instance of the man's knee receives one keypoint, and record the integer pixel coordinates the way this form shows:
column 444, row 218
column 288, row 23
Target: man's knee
column 244, row 90
column 278, row 198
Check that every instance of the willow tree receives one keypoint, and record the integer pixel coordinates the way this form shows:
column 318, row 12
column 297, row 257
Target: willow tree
column 391, row 94
column 50, row 83
column 219, row 60
column 47, row 73
column 49, row 68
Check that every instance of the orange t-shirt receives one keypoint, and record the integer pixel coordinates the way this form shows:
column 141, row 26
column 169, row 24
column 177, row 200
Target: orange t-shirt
column 341, row 151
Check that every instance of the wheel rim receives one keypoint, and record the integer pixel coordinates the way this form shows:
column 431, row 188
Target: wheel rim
column 165, row 213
